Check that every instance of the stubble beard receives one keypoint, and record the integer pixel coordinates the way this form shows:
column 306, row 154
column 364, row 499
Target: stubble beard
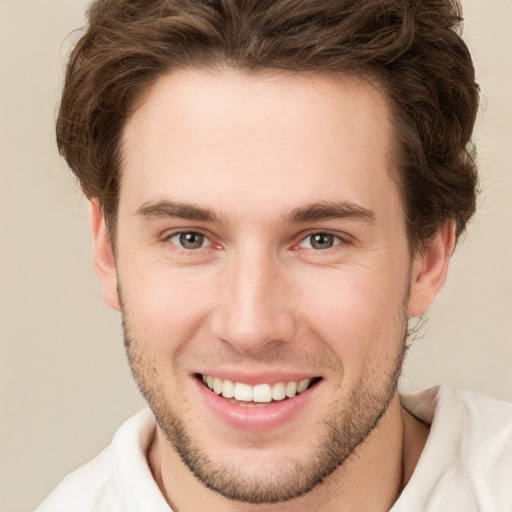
column 343, row 431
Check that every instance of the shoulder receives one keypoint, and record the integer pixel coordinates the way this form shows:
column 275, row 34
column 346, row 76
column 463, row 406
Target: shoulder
column 480, row 422
column 485, row 433
column 118, row 479
column 468, row 455
column 86, row 487
column 466, row 413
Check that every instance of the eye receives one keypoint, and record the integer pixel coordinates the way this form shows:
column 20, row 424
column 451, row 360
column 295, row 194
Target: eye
column 190, row 240
column 320, row 241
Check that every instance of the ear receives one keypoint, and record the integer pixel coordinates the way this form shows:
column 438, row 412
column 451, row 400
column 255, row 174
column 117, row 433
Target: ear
column 429, row 270
column 104, row 263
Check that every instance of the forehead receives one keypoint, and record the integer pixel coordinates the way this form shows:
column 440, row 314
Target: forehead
column 214, row 135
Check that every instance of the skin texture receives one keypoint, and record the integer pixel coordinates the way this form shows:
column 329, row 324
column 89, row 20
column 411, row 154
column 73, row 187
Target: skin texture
column 255, row 165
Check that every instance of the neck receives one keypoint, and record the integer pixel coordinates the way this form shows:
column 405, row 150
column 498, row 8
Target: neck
column 370, row 480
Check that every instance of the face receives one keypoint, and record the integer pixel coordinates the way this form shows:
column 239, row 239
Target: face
column 263, row 273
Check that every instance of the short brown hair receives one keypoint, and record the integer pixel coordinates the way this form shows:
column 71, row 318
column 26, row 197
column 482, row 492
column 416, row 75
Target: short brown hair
column 411, row 48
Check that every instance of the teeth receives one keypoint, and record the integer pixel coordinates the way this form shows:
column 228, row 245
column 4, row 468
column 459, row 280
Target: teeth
column 217, row 385
column 302, row 385
column 260, row 393
column 291, row 389
column 228, row 389
column 278, row 391
column 243, row 392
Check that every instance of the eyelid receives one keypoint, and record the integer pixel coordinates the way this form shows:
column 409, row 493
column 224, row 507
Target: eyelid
column 344, row 238
column 168, row 235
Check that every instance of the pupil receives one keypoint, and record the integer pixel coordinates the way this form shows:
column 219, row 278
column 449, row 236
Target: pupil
column 322, row 241
column 191, row 240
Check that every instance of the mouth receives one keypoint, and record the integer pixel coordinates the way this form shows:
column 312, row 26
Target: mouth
column 259, row 395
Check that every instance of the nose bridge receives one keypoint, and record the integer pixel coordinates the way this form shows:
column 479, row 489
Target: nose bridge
column 253, row 311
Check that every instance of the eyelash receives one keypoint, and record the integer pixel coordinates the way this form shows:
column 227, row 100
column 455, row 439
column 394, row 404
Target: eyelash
column 337, row 239
column 179, row 233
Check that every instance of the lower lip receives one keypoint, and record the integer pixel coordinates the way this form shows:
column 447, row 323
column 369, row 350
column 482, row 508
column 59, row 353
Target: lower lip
column 255, row 418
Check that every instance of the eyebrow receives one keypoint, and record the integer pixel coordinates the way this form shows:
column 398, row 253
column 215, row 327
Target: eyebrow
column 331, row 210
column 171, row 209
column 311, row 213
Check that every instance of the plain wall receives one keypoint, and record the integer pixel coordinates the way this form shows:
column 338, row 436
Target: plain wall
column 64, row 383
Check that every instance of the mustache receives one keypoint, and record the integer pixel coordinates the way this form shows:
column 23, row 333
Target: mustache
column 279, row 356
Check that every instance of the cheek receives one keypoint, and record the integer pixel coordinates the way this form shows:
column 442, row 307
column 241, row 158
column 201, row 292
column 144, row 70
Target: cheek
column 357, row 313
column 165, row 307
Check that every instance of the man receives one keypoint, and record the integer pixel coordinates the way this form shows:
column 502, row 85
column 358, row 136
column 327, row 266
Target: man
column 276, row 187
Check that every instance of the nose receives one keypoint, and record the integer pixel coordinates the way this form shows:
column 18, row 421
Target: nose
column 255, row 310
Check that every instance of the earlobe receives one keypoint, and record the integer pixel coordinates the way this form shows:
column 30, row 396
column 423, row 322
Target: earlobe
column 104, row 263
column 429, row 270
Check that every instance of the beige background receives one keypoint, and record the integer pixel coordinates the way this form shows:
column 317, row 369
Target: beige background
column 64, row 385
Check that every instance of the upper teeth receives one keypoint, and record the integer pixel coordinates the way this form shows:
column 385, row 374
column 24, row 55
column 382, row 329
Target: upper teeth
column 257, row 393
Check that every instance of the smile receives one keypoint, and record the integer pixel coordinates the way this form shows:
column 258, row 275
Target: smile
column 245, row 394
